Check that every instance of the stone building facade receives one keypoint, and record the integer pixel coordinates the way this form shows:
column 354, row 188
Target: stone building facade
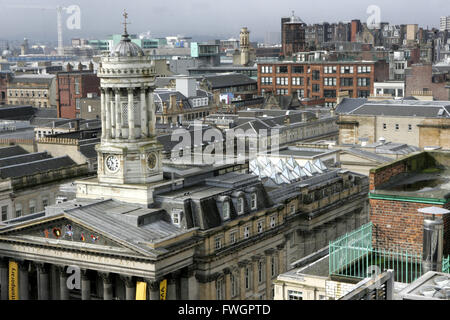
column 36, row 90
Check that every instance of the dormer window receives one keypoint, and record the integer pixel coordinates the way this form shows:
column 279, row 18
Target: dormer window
column 176, row 218
column 253, row 201
column 226, row 210
column 240, row 205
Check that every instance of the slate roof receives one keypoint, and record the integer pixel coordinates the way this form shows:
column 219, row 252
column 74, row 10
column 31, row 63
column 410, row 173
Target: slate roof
column 228, row 80
column 400, row 108
column 88, row 150
column 25, row 113
column 12, row 151
column 23, row 158
column 29, row 168
column 368, row 155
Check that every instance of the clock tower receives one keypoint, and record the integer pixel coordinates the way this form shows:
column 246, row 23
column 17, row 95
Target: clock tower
column 129, row 156
column 129, row 152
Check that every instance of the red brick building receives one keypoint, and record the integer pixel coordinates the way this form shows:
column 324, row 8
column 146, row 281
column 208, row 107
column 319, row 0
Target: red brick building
column 293, row 36
column 71, row 86
column 398, row 190
column 321, row 79
column 419, row 79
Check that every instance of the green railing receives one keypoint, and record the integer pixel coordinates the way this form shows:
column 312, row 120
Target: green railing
column 446, row 264
column 352, row 255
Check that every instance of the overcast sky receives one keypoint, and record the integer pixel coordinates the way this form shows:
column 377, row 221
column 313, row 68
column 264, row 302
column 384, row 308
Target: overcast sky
column 217, row 19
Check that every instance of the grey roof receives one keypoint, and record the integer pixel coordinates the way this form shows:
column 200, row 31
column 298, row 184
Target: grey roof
column 17, row 112
column 228, row 80
column 88, row 150
column 23, row 158
column 368, row 155
column 12, row 151
column 43, row 165
column 401, row 108
column 347, row 105
column 126, row 48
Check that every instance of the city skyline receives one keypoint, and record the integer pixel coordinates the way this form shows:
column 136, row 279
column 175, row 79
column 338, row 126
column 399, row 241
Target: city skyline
column 199, row 18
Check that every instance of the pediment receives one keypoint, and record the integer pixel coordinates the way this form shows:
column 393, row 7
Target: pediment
column 59, row 228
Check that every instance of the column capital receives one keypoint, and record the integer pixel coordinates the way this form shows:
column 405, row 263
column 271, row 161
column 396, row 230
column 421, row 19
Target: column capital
column 281, row 246
column 3, row 262
column 269, row 252
column 152, row 284
column 256, row 257
column 130, row 90
column 128, row 280
column 24, row 265
column 243, row 264
column 105, row 277
column 226, row 271
column 85, row 274
column 43, row 267
column 191, row 270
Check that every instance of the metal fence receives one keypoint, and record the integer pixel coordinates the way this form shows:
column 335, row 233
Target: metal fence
column 446, row 264
column 353, row 256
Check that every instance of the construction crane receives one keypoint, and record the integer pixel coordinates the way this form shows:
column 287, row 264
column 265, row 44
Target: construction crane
column 59, row 11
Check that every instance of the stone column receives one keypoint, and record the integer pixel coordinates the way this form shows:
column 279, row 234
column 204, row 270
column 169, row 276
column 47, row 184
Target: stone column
column 154, row 289
column 44, row 283
column 108, row 112
column 130, row 288
column 255, row 262
column 23, row 281
column 172, row 287
column 242, row 289
column 192, row 284
column 281, row 259
column 113, row 115
column 63, row 289
column 85, row 285
column 144, row 115
column 107, row 286
column 184, row 285
column 227, row 273
column 268, row 254
column 4, row 278
column 118, row 114
column 103, row 112
column 131, row 131
column 152, row 113
column 54, row 283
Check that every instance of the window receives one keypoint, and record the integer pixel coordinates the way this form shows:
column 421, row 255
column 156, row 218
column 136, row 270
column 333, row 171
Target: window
column 234, row 285
column 297, row 81
column 329, row 93
column 282, row 69
column 282, row 91
column 363, row 93
column 409, row 127
column 77, row 86
column 218, row 243
column 316, row 87
column 346, row 82
column 77, row 104
column 298, row 69
column 329, row 81
column 260, row 226
column 384, row 126
column 273, row 221
column 266, row 69
column 240, row 206
column 260, row 271
column 176, row 218
column 18, row 210
column 364, row 69
column 4, row 213
column 253, row 204
column 219, row 289
column 44, row 202
column 248, row 277
column 316, row 75
column 329, row 69
column 300, row 93
column 246, row 232
column 32, row 206
column 233, row 237
column 346, row 69
column 295, row 295
column 273, row 266
column 397, row 126
column 226, row 210
column 282, row 81
column 266, row 80
column 292, row 208
column 363, row 82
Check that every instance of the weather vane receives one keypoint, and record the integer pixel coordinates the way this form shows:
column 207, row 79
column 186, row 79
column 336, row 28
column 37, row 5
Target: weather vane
column 125, row 15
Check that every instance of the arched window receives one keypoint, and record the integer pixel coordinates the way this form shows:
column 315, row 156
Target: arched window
column 240, row 205
column 226, row 210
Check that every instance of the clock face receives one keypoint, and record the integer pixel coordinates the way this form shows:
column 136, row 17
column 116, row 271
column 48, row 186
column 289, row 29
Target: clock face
column 112, row 163
column 151, row 161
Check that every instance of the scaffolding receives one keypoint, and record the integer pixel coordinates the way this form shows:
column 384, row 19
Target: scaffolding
column 353, row 256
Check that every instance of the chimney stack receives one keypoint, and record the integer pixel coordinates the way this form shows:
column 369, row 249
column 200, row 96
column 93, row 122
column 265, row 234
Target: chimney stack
column 80, row 67
column 91, row 66
column 69, row 67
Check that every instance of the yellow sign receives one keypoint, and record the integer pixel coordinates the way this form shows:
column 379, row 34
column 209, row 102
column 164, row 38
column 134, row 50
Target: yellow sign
column 141, row 290
column 13, row 281
column 163, row 290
